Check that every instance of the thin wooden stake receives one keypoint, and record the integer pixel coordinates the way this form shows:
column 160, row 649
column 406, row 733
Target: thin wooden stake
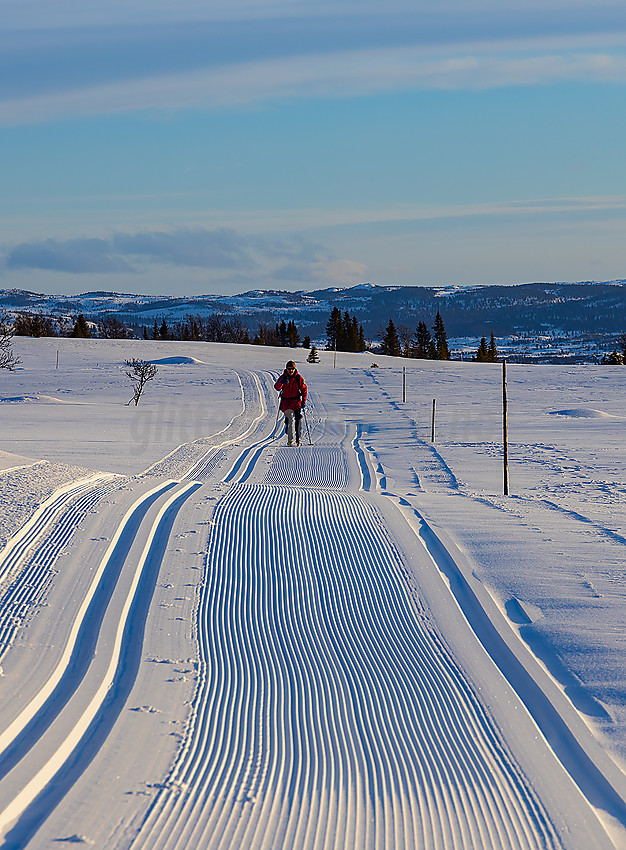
column 432, row 430
column 403, row 384
column 57, row 359
column 505, row 430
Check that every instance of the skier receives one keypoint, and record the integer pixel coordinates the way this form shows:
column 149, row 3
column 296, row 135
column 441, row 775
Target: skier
column 293, row 394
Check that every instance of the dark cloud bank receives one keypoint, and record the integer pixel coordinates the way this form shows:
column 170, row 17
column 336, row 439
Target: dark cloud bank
column 217, row 249
column 222, row 249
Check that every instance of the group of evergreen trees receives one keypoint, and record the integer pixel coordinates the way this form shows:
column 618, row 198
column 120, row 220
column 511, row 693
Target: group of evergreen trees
column 216, row 328
column 487, row 353
column 344, row 333
column 219, row 328
column 422, row 345
column 283, row 335
column 617, row 357
column 35, row 325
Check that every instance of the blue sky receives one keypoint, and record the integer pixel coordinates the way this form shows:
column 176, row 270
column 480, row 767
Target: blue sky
column 215, row 147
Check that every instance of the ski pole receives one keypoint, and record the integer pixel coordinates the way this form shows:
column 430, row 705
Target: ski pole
column 307, row 426
column 280, row 395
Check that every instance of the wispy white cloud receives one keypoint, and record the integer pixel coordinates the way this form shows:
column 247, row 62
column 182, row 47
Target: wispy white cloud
column 340, row 74
column 274, row 233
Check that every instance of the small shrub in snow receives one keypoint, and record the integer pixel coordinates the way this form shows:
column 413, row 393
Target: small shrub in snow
column 8, row 360
column 140, row 372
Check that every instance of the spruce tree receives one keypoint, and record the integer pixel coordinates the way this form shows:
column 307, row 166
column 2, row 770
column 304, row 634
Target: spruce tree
column 354, row 334
column 313, row 356
column 492, row 349
column 391, row 343
column 334, row 329
column 423, row 347
column 81, row 328
column 442, row 351
column 362, row 345
column 482, row 355
column 293, row 337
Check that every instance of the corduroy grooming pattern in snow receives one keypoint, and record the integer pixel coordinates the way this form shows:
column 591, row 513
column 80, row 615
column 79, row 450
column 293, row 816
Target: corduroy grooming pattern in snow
column 27, row 563
column 310, row 466
column 329, row 713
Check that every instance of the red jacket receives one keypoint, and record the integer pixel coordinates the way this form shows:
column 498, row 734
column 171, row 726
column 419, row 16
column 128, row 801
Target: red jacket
column 293, row 391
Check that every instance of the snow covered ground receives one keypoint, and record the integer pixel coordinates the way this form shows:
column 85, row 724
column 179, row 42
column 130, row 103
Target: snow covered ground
column 210, row 640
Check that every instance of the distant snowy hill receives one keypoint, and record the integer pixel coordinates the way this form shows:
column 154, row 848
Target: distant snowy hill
column 533, row 308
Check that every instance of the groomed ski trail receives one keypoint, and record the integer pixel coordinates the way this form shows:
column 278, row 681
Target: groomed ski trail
column 59, row 727
column 329, row 713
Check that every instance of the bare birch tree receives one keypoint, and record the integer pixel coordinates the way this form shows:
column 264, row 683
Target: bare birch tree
column 8, row 359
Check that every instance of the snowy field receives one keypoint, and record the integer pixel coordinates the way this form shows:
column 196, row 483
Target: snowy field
column 209, row 640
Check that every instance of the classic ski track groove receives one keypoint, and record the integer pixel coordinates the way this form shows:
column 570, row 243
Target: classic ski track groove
column 328, row 712
column 109, row 655
column 9, row 734
column 30, row 555
column 213, row 456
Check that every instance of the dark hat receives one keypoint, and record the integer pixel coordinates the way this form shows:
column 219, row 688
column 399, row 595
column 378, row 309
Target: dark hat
column 290, row 365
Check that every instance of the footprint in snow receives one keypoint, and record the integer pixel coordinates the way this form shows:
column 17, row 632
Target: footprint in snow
column 523, row 613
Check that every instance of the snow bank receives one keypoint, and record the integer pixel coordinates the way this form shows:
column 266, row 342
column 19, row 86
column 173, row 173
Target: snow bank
column 33, row 399
column 177, row 361
column 582, row 413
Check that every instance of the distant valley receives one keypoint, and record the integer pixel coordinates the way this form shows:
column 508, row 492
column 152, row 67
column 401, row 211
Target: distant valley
column 556, row 322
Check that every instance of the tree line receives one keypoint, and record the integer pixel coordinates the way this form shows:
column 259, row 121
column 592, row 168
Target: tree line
column 220, row 328
column 192, row 328
column 343, row 332
column 421, row 344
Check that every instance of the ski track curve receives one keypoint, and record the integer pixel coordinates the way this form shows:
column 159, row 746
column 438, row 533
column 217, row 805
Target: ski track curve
column 83, row 633
column 329, row 713
column 28, row 558
column 26, row 570
column 104, row 680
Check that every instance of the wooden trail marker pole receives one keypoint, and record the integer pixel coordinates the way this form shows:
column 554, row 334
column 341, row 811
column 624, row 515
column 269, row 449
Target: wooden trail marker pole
column 505, row 430
column 432, row 428
column 57, row 359
column 403, row 384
